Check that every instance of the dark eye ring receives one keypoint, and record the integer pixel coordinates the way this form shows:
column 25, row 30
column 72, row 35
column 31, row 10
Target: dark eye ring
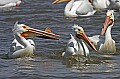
column 24, row 26
column 78, row 29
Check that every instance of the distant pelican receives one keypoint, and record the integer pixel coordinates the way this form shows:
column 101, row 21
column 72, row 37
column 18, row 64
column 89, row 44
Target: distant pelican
column 115, row 4
column 21, row 47
column 77, row 8
column 9, row 3
column 100, row 4
column 80, row 48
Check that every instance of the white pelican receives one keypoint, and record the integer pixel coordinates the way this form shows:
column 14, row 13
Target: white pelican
column 21, row 47
column 77, row 8
column 100, row 4
column 9, row 3
column 107, row 44
column 115, row 4
column 75, row 47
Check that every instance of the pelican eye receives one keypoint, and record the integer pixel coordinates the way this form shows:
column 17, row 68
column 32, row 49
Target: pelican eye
column 110, row 15
column 80, row 31
column 25, row 27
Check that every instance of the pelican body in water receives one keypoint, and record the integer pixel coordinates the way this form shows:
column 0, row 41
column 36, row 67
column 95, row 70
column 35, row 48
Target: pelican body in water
column 21, row 47
column 79, row 48
column 115, row 4
column 100, row 4
column 107, row 44
column 9, row 3
column 77, row 8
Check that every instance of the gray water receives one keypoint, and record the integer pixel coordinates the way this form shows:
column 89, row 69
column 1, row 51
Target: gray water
column 48, row 63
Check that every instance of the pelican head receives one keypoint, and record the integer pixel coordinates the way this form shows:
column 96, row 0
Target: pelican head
column 59, row 1
column 26, row 31
column 109, row 21
column 81, row 35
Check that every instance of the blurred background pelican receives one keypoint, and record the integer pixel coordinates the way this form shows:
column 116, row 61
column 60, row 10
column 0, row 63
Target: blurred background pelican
column 100, row 4
column 9, row 3
column 76, row 8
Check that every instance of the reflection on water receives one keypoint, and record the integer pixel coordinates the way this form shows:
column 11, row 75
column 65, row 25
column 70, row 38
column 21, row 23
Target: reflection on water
column 48, row 63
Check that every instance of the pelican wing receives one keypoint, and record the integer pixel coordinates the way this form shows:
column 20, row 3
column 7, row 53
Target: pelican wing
column 85, row 8
column 4, row 2
column 75, row 6
column 15, row 46
column 73, row 48
column 97, row 40
column 85, row 48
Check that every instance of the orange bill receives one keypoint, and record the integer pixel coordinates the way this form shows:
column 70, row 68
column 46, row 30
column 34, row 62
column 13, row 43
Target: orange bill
column 84, row 37
column 59, row 1
column 107, row 23
column 47, row 34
